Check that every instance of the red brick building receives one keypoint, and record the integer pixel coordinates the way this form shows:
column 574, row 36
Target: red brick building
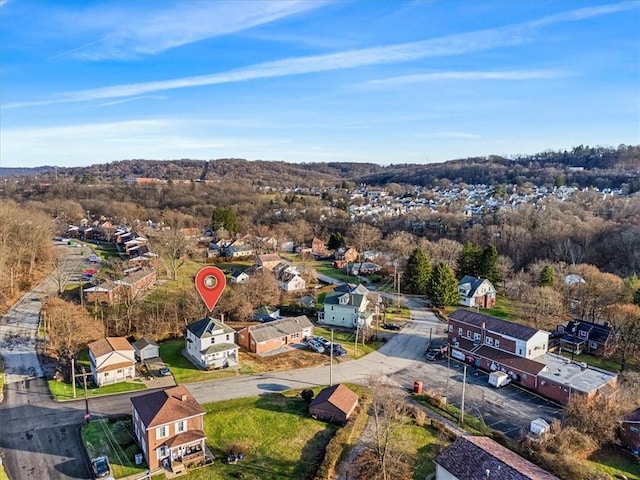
column 276, row 334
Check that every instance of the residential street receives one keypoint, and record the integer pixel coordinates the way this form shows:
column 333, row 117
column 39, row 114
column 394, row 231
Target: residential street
column 39, row 436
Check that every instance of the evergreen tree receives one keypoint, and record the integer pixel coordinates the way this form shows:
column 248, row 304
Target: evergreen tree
column 224, row 218
column 443, row 286
column 469, row 260
column 636, row 297
column 488, row 264
column 336, row 240
column 418, row 272
column 547, row 276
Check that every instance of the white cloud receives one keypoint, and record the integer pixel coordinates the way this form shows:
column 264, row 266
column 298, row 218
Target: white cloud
column 450, row 45
column 133, row 31
column 471, row 75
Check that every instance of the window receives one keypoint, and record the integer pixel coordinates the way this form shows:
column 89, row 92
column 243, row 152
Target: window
column 634, row 429
column 450, row 328
column 520, row 351
column 295, row 335
column 497, row 345
column 468, row 333
column 227, row 337
column 582, row 333
column 162, row 432
column 488, row 340
column 476, row 336
column 181, row 426
column 460, row 331
column 162, row 452
column 593, row 345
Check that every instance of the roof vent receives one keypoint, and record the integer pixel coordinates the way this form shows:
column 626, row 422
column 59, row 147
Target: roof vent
column 183, row 397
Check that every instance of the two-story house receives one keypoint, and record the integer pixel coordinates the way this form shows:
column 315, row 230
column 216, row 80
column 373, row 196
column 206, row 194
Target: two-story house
column 210, row 344
column 169, row 427
column 345, row 309
column 476, row 292
column 112, row 360
column 275, row 334
column 580, row 336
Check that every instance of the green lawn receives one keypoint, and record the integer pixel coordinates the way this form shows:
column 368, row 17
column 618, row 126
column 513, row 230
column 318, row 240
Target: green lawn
column 505, row 309
column 608, row 364
column 614, row 461
column 113, row 438
column 186, row 372
column 422, row 444
column 275, row 434
column 64, row 391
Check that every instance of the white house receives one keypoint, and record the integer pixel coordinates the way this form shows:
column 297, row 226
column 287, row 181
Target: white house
column 239, row 277
column 112, row 360
column 210, row 344
column 345, row 309
column 289, row 278
column 476, row 292
column 146, row 348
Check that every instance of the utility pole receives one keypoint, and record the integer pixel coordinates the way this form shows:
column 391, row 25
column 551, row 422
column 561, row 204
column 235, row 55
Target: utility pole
column 464, row 384
column 331, row 361
column 87, row 415
column 355, row 346
column 446, row 393
column 73, row 375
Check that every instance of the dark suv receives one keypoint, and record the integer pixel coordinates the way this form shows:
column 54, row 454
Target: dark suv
column 100, row 467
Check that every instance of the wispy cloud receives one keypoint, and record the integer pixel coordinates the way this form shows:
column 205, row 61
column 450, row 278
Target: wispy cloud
column 450, row 45
column 471, row 75
column 132, row 99
column 133, row 31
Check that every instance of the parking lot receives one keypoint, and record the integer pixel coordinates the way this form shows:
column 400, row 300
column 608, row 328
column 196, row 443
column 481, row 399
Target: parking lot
column 509, row 409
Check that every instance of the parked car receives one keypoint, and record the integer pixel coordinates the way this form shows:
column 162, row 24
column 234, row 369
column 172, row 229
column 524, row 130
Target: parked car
column 433, row 354
column 390, row 326
column 338, row 350
column 323, row 341
column 100, row 467
column 164, row 371
column 315, row 346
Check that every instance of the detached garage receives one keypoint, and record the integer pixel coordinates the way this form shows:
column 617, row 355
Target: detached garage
column 334, row 404
column 145, row 349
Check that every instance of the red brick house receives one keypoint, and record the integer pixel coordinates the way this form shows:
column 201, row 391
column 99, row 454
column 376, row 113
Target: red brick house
column 334, row 404
column 275, row 334
column 168, row 425
column 630, row 432
column 135, row 281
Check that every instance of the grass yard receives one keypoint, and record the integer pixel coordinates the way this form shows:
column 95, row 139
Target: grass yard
column 614, row 461
column 62, row 391
column 505, row 309
column 422, row 444
column 276, row 436
column 3, row 474
column 609, row 364
column 113, row 438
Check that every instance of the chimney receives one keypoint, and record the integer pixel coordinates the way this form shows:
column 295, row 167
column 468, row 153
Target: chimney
column 183, row 397
column 222, row 317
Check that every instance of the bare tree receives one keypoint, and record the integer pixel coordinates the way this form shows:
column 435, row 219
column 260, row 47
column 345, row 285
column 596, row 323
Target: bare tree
column 388, row 413
column 363, row 236
column 624, row 320
column 60, row 273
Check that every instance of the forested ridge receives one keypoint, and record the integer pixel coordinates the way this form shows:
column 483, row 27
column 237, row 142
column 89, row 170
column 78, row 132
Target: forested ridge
column 583, row 166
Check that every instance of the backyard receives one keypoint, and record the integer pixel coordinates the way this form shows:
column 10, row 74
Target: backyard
column 114, row 438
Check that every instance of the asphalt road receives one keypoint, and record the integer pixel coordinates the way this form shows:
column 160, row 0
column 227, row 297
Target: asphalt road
column 39, row 437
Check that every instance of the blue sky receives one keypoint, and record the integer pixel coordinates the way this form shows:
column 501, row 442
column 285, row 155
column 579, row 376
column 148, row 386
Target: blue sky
column 313, row 81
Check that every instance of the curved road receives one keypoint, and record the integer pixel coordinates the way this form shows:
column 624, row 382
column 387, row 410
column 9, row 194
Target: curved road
column 39, row 439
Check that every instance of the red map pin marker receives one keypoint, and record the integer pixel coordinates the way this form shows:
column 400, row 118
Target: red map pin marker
column 210, row 282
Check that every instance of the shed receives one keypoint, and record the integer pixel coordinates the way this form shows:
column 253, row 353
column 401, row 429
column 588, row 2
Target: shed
column 334, row 404
column 146, row 348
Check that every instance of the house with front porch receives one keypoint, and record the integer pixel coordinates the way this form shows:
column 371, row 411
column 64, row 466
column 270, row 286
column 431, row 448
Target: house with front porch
column 112, row 360
column 169, row 428
column 345, row 309
column 580, row 336
column 210, row 344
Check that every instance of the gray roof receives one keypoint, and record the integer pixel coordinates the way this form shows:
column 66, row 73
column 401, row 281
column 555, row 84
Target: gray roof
column 333, row 298
column 510, row 329
column 352, row 288
column 470, row 458
column 563, row 371
column 279, row 328
column 206, row 327
column 474, row 283
column 219, row 347
column 144, row 342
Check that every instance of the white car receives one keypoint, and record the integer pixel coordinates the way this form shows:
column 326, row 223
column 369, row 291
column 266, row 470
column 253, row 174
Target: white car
column 315, row 346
